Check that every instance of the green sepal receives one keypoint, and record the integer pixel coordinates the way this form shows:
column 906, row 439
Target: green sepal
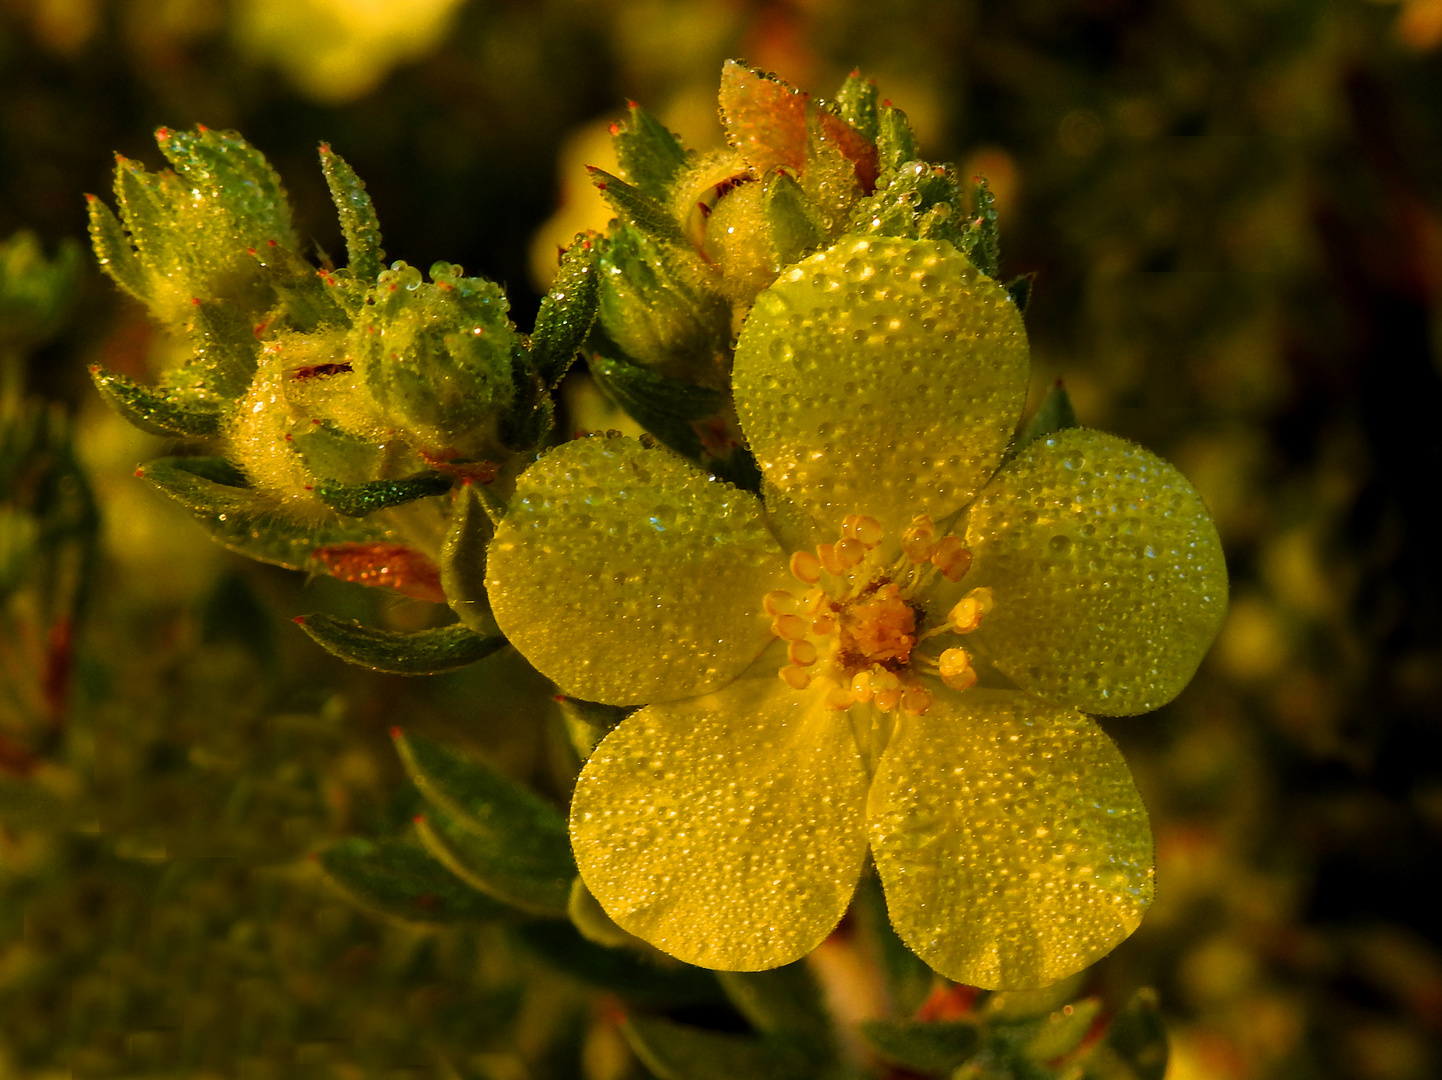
column 223, row 350
column 588, row 722
column 895, row 141
column 928, row 1047
column 489, row 804
column 641, row 978
column 154, row 409
column 500, row 868
column 358, row 223
column 419, row 652
column 590, row 918
column 1054, row 414
column 224, row 166
column 650, row 155
column 795, row 232
column 636, row 208
column 856, row 104
column 358, row 500
column 785, row 1002
column 1135, row 1045
column 677, row 1052
column 917, row 200
column 245, row 521
column 662, row 406
column 1062, row 1031
column 112, row 248
column 463, row 560
column 568, row 310
column 908, row 979
column 398, row 879
column 1019, row 289
column 144, row 209
column 982, row 241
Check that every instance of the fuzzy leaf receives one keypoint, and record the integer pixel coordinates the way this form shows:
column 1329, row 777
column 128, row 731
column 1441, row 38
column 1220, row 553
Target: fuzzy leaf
column 155, row 409
column 113, row 250
column 662, row 406
column 358, row 500
column 795, row 232
column 927, row 1047
column 500, row 867
column 895, row 142
column 1062, row 1031
column 856, row 104
column 785, row 1002
column 636, row 208
column 567, row 311
column 399, row 879
column 358, row 222
column 1135, row 1045
column 676, row 1052
column 420, row 652
column 650, row 155
column 1054, row 414
column 463, row 560
column 637, row 977
column 982, row 243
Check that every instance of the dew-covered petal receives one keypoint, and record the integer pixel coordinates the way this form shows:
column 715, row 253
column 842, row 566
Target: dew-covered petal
column 1108, row 574
column 626, row 576
column 882, row 376
column 726, row 830
column 1011, row 841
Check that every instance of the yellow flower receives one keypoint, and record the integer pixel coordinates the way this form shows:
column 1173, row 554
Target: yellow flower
column 934, row 653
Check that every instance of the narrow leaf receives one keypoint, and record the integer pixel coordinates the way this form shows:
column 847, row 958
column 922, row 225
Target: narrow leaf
column 421, row 652
column 463, row 561
column 358, row 500
column 636, row 208
column 795, row 232
column 1054, row 414
column 784, row 1001
column 650, row 155
column 567, row 312
column 1135, row 1045
column 358, row 222
column 895, row 141
column 400, row 880
column 856, row 104
column 984, row 246
column 662, row 406
column 112, row 248
column 502, row 870
column 648, row 979
column 1063, row 1031
column 929, row 1047
column 676, row 1052
column 154, row 409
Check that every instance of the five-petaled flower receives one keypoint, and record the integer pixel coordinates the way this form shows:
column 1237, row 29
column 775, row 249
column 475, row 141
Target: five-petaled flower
column 944, row 621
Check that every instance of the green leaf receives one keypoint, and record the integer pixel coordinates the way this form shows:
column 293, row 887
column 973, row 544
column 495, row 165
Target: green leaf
column 650, row 155
column 982, row 243
column 1055, row 414
column 1063, row 1031
column 1135, row 1045
column 567, row 312
column 856, row 104
column 154, row 409
column 590, row 918
column 588, row 722
column 786, row 1002
column 908, row 979
column 420, row 652
column 642, row 978
column 463, row 561
column 223, row 349
column 661, row 405
column 398, row 879
column 358, row 222
column 933, row 1047
column 676, row 1052
column 112, row 248
column 358, row 500
column 225, row 167
column 795, row 232
column 895, row 142
column 488, row 803
column 1019, row 289
column 500, row 867
column 636, row 208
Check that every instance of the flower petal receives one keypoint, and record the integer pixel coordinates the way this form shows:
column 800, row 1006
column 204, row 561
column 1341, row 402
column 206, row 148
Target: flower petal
column 625, row 575
column 1011, row 841
column 1109, row 578
column 726, row 830
column 882, row 376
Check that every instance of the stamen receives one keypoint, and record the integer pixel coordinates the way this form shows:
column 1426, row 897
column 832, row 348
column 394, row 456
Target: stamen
column 840, row 698
column 850, row 552
column 956, row 670
column 917, row 540
column 806, row 567
column 915, row 699
column 780, row 602
column 789, row 627
column 952, row 558
column 802, row 653
column 860, row 527
column 795, row 677
column 824, row 624
column 826, row 553
column 967, row 614
column 861, row 686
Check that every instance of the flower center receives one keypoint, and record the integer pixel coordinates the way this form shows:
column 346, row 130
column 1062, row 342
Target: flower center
column 856, row 620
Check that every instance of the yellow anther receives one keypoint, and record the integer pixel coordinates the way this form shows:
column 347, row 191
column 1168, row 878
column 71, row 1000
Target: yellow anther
column 840, row 698
column 806, row 567
column 915, row 700
column 849, row 552
column 918, row 539
column 963, row 680
column 883, row 680
column 868, row 530
column 826, row 553
column 952, row 558
column 887, row 700
column 795, row 677
column 953, row 662
column 811, row 602
column 967, row 614
column 802, row 653
column 824, row 624
column 789, row 627
column 861, row 686
column 780, row 602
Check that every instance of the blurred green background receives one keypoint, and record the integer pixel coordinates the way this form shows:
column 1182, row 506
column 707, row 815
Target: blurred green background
column 1234, row 214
